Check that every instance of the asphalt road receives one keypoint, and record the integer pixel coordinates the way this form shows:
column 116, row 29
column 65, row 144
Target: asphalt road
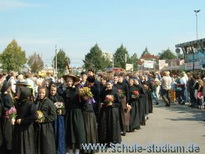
column 175, row 129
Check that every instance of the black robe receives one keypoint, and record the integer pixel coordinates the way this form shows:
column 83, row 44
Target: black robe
column 90, row 120
column 7, row 126
column 142, row 103
column 124, row 115
column 109, row 120
column 134, row 112
column 24, row 136
column 74, row 122
column 45, row 138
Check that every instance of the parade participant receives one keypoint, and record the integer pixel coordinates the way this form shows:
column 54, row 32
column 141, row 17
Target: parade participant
column 166, row 85
column 89, row 98
column 83, row 77
column 146, row 99
column 134, row 103
column 75, row 133
column 91, row 72
column 23, row 139
column 109, row 120
column 8, row 102
column 45, row 138
column 150, row 83
column 103, row 81
column 59, row 122
column 141, row 101
column 123, row 92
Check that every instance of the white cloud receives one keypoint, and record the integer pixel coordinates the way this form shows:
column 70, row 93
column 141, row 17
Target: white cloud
column 15, row 4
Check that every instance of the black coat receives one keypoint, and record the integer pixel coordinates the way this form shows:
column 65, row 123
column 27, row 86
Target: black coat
column 7, row 126
column 24, row 136
column 74, row 121
column 44, row 131
column 109, row 120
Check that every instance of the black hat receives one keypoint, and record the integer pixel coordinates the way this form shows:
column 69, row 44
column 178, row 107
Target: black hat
column 24, row 93
column 5, row 86
column 91, row 79
column 83, row 73
column 91, row 70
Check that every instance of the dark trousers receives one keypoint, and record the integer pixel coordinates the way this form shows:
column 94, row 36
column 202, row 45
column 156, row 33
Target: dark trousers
column 166, row 96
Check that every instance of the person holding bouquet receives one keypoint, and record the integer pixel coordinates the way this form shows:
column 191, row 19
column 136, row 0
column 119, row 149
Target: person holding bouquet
column 109, row 120
column 8, row 103
column 141, row 99
column 75, row 133
column 59, row 122
column 90, row 95
column 23, row 139
column 46, row 111
column 134, row 103
column 123, row 92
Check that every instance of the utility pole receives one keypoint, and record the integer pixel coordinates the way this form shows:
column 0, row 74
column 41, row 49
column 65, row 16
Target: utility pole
column 56, row 52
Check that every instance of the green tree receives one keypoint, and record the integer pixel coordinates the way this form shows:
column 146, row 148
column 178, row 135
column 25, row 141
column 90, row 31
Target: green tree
column 167, row 55
column 35, row 62
column 134, row 61
column 13, row 57
column 145, row 52
column 121, row 57
column 62, row 61
column 95, row 59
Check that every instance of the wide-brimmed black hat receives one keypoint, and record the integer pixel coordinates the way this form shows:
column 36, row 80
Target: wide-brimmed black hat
column 75, row 78
column 24, row 93
column 5, row 86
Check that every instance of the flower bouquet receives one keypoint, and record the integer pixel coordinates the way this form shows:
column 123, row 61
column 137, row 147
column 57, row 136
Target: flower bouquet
column 135, row 94
column 109, row 100
column 121, row 93
column 40, row 116
column 59, row 106
column 87, row 95
column 11, row 114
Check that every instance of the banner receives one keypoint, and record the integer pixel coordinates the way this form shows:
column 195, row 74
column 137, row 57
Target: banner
column 148, row 64
column 129, row 67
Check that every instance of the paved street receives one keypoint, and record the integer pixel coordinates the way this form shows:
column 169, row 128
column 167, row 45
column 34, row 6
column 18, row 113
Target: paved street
column 177, row 125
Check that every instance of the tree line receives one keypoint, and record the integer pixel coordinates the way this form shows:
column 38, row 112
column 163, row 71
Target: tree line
column 13, row 58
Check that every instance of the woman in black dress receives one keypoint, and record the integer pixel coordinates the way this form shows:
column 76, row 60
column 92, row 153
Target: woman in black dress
column 44, row 126
column 74, row 121
column 135, row 104
column 59, row 122
column 109, row 120
column 23, row 138
column 8, row 102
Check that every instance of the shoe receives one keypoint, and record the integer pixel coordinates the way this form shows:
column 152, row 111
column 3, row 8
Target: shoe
column 123, row 133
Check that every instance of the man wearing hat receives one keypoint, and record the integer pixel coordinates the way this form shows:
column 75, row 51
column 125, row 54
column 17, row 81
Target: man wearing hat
column 96, row 93
column 91, row 72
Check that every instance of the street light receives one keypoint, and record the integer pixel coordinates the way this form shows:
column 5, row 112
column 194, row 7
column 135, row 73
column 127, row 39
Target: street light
column 196, row 14
column 56, row 52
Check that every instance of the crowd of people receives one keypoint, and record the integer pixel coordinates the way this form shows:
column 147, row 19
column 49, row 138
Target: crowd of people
column 49, row 115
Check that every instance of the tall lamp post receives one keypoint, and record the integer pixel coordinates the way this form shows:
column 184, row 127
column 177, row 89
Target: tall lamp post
column 196, row 14
column 56, row 60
